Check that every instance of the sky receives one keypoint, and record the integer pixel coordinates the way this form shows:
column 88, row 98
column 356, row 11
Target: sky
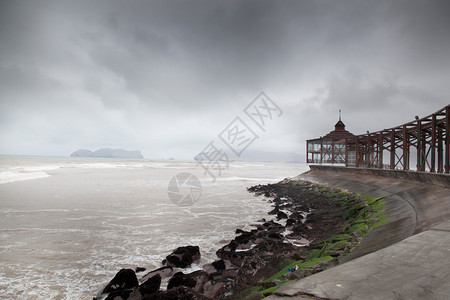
column 168, row 77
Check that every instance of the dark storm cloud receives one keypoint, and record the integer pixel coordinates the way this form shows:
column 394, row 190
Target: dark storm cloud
column 370, row 103
column 159, row 75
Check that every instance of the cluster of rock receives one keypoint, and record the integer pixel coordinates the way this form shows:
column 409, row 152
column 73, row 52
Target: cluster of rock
column 301, row 219
column 126, row 285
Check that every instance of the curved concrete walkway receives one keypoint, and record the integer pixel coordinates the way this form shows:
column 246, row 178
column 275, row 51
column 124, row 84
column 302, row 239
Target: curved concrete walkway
column 408, row 257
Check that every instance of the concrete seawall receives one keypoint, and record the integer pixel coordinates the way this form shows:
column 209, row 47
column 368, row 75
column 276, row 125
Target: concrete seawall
column 423, row 177
column 415, row 201
column 404, row 258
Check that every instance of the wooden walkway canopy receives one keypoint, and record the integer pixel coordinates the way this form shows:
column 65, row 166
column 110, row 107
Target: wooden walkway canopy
column 424, row 142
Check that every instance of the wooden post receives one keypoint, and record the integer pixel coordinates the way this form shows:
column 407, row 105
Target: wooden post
column 380, row 150
column 447, row 139
column 405, row 149
column 369, row 163
column 307, row 151
column 433, row 145
column 321, row 151
column 357, row 152
column 419, row 145
column 440, row 156
column 392, row 162
column 346, row 152
column 332, row 152
column 424, row 151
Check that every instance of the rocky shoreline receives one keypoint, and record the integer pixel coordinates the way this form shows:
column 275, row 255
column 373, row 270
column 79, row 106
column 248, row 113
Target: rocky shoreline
column 312, row 227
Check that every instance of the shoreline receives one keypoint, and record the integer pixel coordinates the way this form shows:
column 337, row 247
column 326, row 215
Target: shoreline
column 315, row 226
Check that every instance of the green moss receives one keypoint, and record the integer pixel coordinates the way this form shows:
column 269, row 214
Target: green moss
column 381, row 221
column 313, row 262
column 301, row 264
column 377, row 204
column 357, row 227
column 339, row 245
column 361, row 212
column 268, row 291
column 256, row 289
column 339, row 237
column 330, row 195
column 314, row 253
column 283, row 271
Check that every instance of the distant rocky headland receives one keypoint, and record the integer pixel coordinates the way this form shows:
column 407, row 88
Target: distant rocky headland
column 108, row 153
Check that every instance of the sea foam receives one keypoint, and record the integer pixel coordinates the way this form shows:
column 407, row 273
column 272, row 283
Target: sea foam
column 6, row 177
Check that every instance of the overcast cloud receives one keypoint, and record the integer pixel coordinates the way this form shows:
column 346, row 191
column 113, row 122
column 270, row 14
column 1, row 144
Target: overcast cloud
column 166, row 77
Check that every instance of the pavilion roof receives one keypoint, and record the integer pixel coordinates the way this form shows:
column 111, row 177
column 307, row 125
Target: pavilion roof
column 339, row 133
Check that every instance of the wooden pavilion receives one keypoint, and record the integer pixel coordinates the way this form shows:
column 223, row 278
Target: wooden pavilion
column 331, row 148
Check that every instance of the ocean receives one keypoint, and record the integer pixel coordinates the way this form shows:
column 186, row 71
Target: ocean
column 67, row 225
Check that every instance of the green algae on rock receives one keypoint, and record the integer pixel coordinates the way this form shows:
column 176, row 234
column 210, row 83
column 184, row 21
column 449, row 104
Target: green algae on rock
column 358, row 213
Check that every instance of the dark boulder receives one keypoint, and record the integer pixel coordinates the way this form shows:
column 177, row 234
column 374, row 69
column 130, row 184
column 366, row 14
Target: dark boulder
column 275, row 235
column 300, row 228
column 124, row 279
column 213, row 289
column 194, row 280
column 178, row 293
column 244, row 237
column 219, row 265
column 200, row 277
column 227, row 249
column 130, row 294
column 273, row 226
column 274, row 211
column 277, row 201
column 237, row 257
column 216, row 266
column 179, row 279
column 182, row 257
column 251, row 265
column 151, row 285
column 281, row 215
column 164, row 272
column 290, row 222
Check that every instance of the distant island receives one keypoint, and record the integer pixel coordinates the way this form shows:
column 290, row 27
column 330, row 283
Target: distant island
column 108, row 153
